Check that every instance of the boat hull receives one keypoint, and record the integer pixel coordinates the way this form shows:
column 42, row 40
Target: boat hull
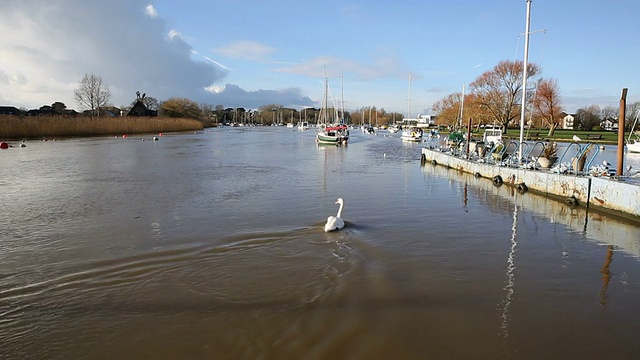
column 633, row 146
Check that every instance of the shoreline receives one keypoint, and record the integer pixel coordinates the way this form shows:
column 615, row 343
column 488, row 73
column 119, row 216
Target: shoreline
column 13, row 128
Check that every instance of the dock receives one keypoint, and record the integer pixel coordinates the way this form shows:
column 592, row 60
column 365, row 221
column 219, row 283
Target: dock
column 610, row 194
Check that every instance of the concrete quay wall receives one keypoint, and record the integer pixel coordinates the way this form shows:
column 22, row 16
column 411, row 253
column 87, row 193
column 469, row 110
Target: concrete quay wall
column 613, row 196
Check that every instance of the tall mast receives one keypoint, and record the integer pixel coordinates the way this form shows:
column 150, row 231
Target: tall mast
column 462, row 106
column 524, row 78
column 409, row 100
column 342, row 98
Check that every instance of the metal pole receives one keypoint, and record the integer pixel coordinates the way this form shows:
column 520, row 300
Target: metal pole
column 469, row 137
column 621, row 116
column 524, row 80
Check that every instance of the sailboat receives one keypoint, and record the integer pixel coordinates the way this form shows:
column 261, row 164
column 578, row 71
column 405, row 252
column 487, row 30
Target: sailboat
column 411, row 133
column 633, row 140
column 335, row 133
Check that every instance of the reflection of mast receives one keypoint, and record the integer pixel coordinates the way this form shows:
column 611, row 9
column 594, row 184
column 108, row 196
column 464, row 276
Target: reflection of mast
column 466, row 197
column 509, row 287
column 606, row 276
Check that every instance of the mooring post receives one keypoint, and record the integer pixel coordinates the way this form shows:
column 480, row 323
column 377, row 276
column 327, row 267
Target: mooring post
column 621, row 116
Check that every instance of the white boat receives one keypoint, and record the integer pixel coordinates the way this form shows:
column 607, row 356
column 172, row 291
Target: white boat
column 633, row 140
column 289, row 125
column 303, row 126
column 335, row 132
column 492, row 134
column 411, row 133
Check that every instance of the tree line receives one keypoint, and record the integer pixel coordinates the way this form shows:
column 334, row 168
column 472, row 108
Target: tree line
column 495, row 97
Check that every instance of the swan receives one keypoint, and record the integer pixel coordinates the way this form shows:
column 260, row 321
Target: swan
column 335, row 222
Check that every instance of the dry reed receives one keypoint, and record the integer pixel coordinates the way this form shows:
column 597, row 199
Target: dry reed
column 24, row 127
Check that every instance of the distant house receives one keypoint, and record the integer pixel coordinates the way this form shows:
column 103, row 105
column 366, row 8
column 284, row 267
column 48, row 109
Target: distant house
column 139, row 109
column 422, row 120
column 609, row 124
column 44, row 111
column 10, row 110
column 110, row 111
column 568, row 120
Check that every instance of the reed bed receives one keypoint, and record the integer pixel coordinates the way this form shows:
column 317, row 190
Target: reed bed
column 22, row 127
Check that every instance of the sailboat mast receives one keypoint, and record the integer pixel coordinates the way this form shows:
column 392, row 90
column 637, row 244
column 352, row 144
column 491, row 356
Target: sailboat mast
column 524, row 78
column 342, row 98
column 462, row 106
column 409, row 100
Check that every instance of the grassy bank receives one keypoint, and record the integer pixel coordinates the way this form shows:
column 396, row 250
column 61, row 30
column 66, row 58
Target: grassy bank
column 16, row 128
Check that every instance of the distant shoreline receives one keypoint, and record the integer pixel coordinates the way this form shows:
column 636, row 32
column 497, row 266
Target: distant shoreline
column 23, row 128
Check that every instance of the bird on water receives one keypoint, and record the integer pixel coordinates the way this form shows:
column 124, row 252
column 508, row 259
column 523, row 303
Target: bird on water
column 335, row 222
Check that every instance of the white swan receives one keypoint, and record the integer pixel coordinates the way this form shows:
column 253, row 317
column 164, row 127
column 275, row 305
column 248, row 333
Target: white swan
column 335, row 222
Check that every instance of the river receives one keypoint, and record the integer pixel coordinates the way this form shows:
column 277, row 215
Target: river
column 210, row 245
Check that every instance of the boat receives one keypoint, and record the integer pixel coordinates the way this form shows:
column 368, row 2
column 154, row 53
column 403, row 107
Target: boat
column 411, row 133
column 492, row 134
column 394, row 128
column 633, row 140
column 336, row 133
column 303, row 125
column 289, row 125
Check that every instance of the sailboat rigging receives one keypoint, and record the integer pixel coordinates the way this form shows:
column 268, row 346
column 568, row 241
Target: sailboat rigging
column 330, row 133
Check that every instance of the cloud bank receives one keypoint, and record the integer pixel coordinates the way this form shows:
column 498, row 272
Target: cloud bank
column 52, row 44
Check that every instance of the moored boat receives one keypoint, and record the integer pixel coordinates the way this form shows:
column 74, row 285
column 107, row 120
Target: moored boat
column 337, row 132
column 633, row 140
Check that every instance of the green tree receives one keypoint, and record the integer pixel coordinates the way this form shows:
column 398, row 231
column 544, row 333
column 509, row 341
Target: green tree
column 92, row 93
column 58, row 107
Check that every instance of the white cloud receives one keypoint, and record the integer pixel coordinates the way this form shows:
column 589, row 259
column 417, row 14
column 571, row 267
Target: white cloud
column 151, row 11
column 53, row 44
column 382, row 68
column 246, row 50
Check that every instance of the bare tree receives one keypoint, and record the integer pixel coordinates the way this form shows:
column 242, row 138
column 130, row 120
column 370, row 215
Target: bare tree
column 181, row 108
column 546, row 103
column 92, row 94
column 498, row 90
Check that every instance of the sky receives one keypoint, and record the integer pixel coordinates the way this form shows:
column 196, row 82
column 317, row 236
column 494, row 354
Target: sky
column 239, row 53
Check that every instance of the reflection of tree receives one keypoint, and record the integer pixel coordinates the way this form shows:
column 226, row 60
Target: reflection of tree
column 606, row 277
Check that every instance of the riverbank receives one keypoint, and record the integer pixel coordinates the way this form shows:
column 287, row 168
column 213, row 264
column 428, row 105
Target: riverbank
column 19, row 128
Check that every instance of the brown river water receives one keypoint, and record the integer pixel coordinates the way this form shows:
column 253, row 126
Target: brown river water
column 210, row 245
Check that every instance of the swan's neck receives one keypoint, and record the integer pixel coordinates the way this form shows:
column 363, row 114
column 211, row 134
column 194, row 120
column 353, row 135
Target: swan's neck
column 340, row 210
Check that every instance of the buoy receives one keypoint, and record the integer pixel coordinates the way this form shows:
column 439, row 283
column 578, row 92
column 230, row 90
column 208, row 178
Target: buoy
column 572, row 201
column 124, row 136
column 497, row 180
column 155, row 138
column 23, row 145
column 522, row 188
column 4, row 145
column 160, row 134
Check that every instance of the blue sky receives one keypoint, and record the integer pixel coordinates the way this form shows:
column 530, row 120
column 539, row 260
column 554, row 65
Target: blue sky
column 252, row 53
